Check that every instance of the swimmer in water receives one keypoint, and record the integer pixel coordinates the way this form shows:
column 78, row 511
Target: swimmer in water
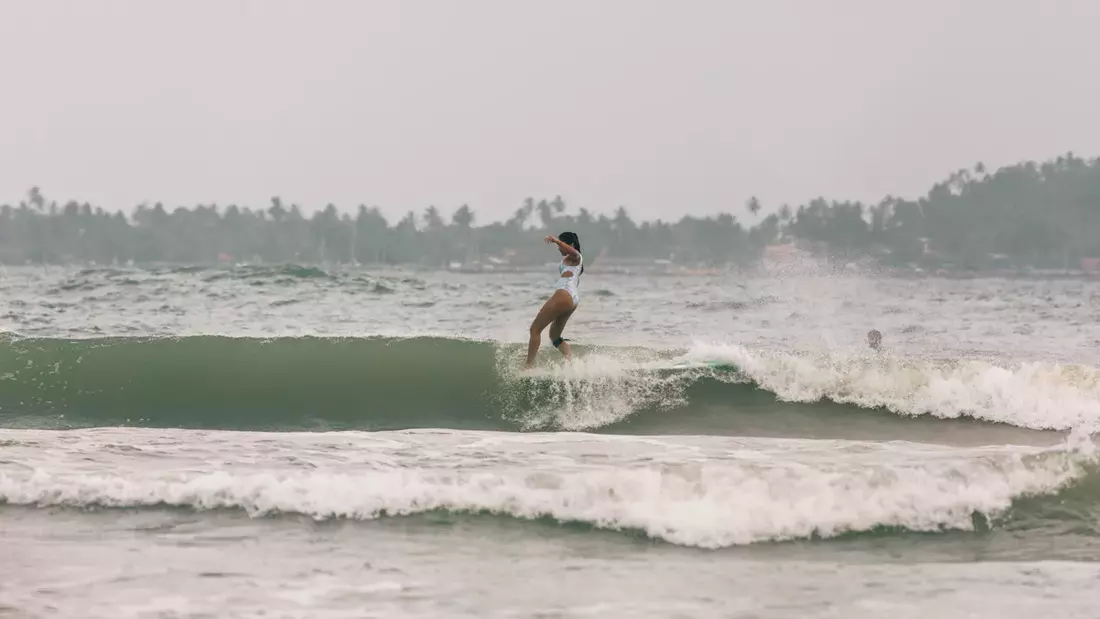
column 874, row 340
column 563, row 302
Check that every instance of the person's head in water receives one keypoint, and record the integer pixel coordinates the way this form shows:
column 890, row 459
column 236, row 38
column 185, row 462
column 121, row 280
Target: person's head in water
column 874, row 339
column 574, row 241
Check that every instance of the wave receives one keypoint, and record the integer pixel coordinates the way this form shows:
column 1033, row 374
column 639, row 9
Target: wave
column 383, row 383
column 701, row 494
column 275, row 276
column 1034, row 395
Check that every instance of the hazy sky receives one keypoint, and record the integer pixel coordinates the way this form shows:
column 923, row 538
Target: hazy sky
column 665, row 107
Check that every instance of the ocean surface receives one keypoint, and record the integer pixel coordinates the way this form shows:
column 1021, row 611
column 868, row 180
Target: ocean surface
column 296, row 441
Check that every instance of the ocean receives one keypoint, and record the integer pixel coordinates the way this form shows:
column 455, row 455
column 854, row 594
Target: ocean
column 291, row 441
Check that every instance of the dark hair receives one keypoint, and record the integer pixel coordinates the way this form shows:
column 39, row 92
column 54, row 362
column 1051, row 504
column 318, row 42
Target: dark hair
column 571, row 239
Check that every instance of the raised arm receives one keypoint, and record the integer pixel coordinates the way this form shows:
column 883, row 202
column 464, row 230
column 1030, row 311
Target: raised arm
column 569, row 249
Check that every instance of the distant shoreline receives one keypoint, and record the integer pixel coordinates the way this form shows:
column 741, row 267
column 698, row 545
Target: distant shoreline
column 665, row 270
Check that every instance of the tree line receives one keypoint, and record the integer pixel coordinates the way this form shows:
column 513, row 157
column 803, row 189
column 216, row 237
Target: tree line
column 1043, row 215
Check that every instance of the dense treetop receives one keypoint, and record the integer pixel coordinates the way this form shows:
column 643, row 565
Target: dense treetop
column 1034, row 214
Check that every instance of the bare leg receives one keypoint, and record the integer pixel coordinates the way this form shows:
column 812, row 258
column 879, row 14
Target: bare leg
column 558, row 303
column 556, row 329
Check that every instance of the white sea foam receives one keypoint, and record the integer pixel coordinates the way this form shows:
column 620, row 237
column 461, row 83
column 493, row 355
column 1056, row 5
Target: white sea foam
column 701, row 491
column 1037, row 395
column 591, row 391
column 609, row 385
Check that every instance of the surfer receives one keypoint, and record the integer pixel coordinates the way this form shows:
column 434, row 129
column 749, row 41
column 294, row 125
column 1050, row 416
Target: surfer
column 561, row 305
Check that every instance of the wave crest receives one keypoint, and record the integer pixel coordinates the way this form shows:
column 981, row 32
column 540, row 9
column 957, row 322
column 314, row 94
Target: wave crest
column 707, row 494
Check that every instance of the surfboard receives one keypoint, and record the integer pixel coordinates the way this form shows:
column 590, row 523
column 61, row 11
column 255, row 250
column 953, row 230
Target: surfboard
column 695, row 365
column 655, row 367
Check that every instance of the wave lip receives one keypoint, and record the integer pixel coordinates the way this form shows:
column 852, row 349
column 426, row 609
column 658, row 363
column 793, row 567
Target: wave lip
column 692, row 492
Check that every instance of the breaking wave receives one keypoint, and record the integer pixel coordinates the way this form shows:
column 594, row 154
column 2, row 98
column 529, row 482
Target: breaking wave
column 396, row 383
column 711, row 493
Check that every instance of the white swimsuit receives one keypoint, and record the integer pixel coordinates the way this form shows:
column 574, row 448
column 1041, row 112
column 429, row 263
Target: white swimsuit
column 571, row 282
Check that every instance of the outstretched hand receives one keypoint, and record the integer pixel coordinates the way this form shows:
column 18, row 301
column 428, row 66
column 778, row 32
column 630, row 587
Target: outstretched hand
column 550, row 239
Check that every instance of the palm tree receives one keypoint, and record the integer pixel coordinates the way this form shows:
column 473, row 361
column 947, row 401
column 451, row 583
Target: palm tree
column 34, row 196
column 433, row 221
column 277, row 210
column 558, row 205
column 463, row 218
column 753, row 206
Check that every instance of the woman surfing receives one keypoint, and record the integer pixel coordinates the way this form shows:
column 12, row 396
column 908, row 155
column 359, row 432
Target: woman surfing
column 561, row 305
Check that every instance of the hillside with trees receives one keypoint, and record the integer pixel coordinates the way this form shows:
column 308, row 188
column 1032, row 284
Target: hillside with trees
column 1042, row 215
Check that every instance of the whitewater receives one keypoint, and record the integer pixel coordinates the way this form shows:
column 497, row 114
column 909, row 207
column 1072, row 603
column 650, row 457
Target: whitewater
column 330, row 442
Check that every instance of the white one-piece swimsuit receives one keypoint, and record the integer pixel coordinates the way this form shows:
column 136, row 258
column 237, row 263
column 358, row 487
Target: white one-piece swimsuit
column 571, row 282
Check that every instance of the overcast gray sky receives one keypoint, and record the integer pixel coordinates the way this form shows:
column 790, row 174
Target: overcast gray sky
column 665, row 107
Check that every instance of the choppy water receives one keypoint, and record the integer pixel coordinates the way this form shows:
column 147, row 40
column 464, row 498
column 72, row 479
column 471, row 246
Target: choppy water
column 304, row 442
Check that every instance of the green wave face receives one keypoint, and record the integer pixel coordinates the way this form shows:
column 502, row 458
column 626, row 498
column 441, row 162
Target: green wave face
column 318, row 383
column 241, row 383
